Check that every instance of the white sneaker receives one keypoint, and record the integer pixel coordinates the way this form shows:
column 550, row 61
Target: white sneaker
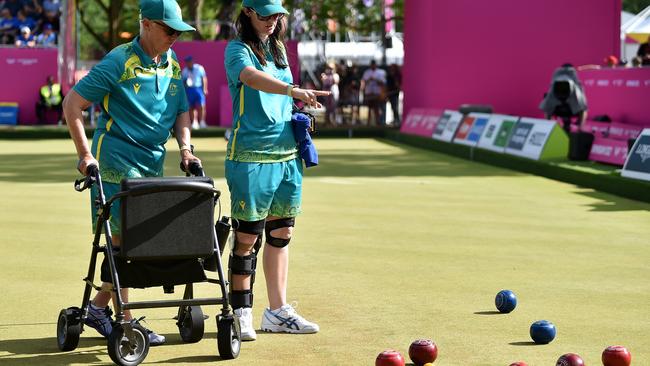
column 245, row 317
column 202, row 124
column 195, row 125
column 287, row 320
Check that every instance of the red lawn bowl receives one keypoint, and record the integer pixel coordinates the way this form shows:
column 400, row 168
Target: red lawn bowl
column 570, row 359
column 389, row 358
column 616, row 356
column 423, row 351
column 519, row 363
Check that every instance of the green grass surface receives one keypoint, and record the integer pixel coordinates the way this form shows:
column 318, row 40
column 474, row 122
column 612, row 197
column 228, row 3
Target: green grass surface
column 395, row 243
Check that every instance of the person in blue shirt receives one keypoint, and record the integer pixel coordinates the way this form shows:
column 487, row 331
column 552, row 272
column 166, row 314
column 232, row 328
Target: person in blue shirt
column 25, row 38
column 7, row 27
column 47, row 38
column 263, row 170
column 196, row 87
column 141, row 93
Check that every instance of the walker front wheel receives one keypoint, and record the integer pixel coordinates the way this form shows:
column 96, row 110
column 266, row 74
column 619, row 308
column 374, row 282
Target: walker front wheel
column 228, row 337
column 191, row 323
column 125, row 352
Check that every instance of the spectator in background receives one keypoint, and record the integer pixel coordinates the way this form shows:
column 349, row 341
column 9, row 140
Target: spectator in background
column 52, row 6
column 611, row 61
column 7, row 27
column 393, row 88
column 52, row 18
column 330, row 82
column 13, row 6
column 349, row 87
column 342, row 69
column 50, row 99
column 373, row 84
column 24, row 21
column 25, row 38
column 565, row 98
column 32, row 9
column 47, row 38
column 644, row 52
column 637, row 61
column 196, row 87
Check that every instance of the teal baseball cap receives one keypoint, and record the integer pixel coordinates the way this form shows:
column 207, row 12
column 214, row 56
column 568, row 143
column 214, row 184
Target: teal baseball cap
column 265, row 7
column 166, row 11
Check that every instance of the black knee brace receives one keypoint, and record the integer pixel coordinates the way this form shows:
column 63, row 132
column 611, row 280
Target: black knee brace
column 244, row 265
column 278, row 224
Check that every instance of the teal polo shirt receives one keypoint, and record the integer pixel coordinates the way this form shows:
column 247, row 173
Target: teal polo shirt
column 140, row 103
column 262, row 130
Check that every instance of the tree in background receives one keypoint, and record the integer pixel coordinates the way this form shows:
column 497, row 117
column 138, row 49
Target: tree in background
column 635, row 6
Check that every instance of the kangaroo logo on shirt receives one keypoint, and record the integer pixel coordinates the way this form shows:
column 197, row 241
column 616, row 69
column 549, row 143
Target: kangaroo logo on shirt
column 136, row 88
column 173, row 90
column 242, row 204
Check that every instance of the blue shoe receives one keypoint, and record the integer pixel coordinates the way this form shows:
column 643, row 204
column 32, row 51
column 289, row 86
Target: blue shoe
column 99, row 319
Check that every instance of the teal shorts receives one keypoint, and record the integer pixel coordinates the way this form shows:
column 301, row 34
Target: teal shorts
column 258, row 190
column 110, row 189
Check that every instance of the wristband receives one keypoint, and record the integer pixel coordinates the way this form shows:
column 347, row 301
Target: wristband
column 289, row 90
column 185, row 147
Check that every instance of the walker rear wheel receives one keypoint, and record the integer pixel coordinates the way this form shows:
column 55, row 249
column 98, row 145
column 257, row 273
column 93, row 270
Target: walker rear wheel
column 68, row 329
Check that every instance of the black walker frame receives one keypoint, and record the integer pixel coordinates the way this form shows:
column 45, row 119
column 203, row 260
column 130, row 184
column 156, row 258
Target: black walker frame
column 128, row 343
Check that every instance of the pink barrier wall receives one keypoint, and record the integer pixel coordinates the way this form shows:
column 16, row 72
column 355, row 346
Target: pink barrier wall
column 620, row 93
column 23, row 71
column 500, row 52
column 609, row 151
column 421, row 122
column 210, row 55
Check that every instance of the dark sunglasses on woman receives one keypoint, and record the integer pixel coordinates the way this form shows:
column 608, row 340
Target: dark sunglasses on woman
column 275, row 17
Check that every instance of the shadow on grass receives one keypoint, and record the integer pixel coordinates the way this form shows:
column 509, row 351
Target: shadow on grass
column 44, row 351
column 524, row 343
column 490, row 312
column 610, row 203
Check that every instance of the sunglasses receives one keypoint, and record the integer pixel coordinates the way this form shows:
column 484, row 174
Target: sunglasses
column 168, row 30
column 275, row 17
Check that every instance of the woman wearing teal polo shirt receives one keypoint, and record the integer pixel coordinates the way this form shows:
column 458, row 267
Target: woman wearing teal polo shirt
column 139, row 87
column 263, row 170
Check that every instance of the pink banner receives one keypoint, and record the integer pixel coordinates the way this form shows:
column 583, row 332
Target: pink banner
column 500, row 53
column 421, row 122
column 624, row 131
column 609, row 151
column 210, row 55
column 620, row 93
column 598, row 129
column 23, row 71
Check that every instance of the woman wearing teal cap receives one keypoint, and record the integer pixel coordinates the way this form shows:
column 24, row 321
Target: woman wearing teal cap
column 263, row 170
column 139, row 87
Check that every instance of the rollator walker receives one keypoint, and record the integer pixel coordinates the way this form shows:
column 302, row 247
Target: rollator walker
column 168, row 238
